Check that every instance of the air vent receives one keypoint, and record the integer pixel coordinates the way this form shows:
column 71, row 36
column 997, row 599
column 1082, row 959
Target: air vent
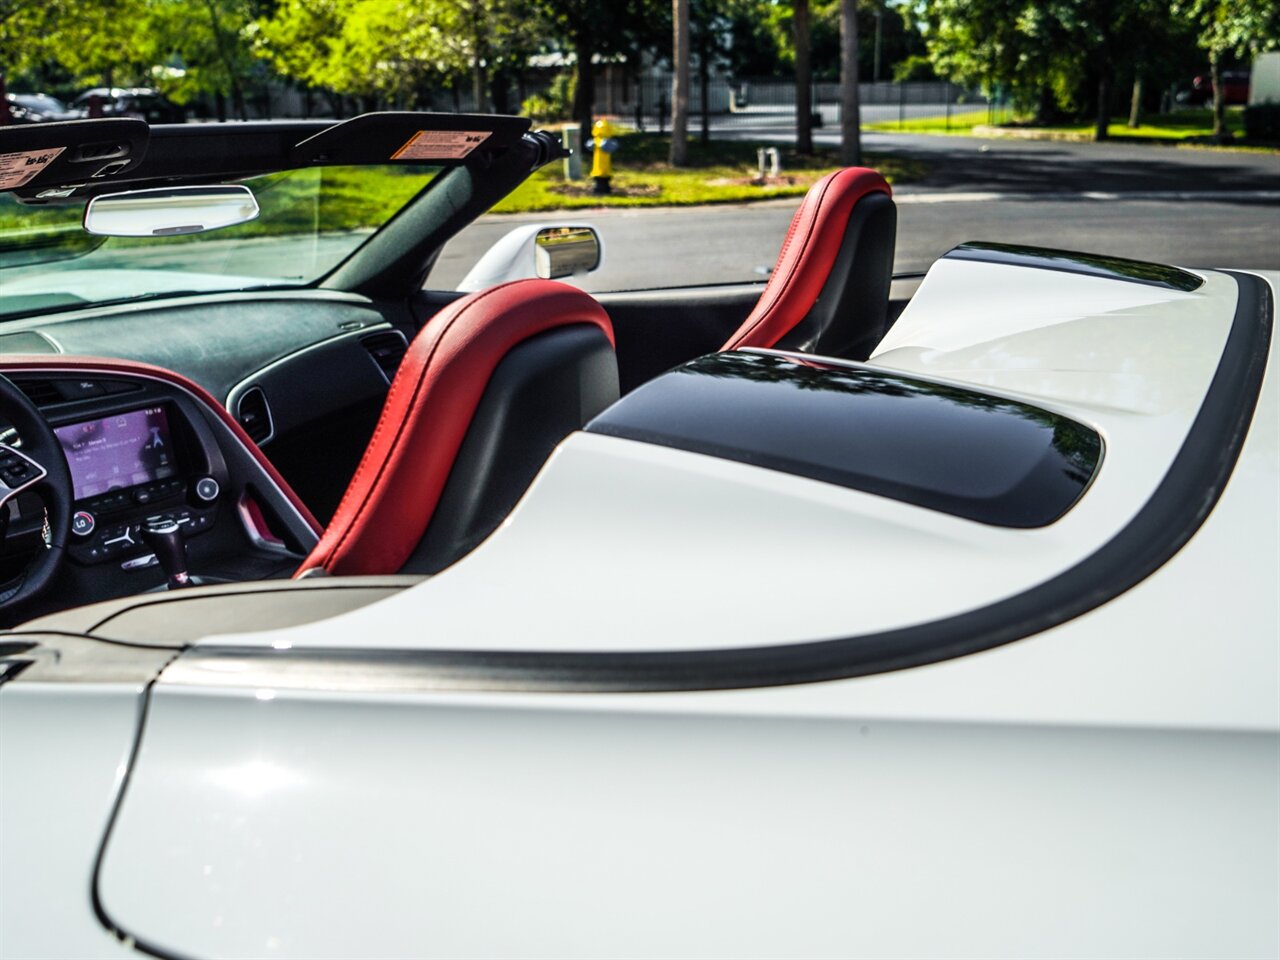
column 387, row 350
column 40, row 392
column 255, row 415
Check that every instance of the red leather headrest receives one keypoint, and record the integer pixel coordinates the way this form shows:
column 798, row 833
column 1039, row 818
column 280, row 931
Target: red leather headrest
column 432, row 400
column 807, row 255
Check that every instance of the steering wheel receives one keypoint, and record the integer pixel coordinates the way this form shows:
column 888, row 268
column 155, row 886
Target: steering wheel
column 41, row 466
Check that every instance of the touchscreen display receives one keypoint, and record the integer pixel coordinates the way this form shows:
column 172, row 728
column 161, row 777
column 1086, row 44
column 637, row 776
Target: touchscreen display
column 122, row 450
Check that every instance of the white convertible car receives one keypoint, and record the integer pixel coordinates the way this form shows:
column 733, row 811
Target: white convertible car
column 802, row 619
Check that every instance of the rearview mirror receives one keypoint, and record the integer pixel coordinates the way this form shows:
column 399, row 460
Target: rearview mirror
column 169, row 211
column 564, row 251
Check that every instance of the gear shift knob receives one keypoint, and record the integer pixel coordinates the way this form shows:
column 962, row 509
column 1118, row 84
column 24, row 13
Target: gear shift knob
column 165, row 538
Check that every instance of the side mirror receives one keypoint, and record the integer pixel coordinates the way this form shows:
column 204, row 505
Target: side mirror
column 563, row 251
column 169, row 211
column 549, row 251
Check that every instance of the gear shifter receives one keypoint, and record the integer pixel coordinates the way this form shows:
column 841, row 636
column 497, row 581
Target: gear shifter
column 165, row 539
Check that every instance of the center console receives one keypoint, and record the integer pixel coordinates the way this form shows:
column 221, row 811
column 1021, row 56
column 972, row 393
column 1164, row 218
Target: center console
column 130, row 466
column 158, row 468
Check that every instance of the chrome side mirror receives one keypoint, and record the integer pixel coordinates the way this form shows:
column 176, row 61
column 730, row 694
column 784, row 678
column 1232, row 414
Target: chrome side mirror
column 169, row 211
column 546, row 250
column 564, row 251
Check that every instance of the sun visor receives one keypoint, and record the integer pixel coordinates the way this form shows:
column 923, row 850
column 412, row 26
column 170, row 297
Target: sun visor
column 51, row 155
column 431, row 138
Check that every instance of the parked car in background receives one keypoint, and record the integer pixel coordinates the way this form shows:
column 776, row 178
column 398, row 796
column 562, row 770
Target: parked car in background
column 37, row 108
column 141, row 102
column 1235, row 89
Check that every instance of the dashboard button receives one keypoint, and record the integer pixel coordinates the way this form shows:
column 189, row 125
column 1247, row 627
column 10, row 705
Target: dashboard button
column 207, row 489
column 82, row 523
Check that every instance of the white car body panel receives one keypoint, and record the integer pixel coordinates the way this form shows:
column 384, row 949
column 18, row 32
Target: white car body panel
column 834, row 549
column 399, row 827
column 1107, row 787
column 64, row 750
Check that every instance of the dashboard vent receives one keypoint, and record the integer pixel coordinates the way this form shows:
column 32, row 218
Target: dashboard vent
column 254, row 415
column 387, row 350
column 40, row 392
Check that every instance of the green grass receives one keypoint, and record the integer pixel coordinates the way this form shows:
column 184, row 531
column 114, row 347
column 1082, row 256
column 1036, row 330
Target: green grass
column 1172, row 127
column 718, row 172
column 962, row 121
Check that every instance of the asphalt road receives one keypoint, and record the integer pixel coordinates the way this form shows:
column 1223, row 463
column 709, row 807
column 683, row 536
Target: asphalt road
column 1197, row 208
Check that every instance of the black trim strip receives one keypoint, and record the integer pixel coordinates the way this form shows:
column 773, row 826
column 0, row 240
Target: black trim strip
column 1191, row 488
column 1069, row 261
column 95, row 880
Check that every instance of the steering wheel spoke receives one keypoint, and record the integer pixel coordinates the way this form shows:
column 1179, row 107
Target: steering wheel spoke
column 18, row 472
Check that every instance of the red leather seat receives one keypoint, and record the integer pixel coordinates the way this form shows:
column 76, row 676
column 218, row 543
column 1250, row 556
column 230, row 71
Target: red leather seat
column 486, row 390
column 829, row 292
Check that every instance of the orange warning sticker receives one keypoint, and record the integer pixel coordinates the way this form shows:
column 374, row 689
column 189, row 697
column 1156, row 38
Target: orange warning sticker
column 441, row 144
column 16, row 169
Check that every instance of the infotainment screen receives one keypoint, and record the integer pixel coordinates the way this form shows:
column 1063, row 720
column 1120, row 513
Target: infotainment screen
column 122, row 450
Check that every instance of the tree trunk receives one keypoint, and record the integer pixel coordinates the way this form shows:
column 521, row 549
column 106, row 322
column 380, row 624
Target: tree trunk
column 1046, row 106
column 704, row 84
column 478, row 86
column 679, row 155
column 1135, row 103
column 850, row 108
column 500, row 91
column 1103, row 119
column 1219, row 104
column 584, row 94
column 1105, row 68
column 804, row 79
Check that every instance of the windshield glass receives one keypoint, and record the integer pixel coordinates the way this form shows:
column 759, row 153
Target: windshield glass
column 310, row 221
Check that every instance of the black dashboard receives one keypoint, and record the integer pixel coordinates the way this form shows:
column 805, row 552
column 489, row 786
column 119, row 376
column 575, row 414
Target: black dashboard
column 142, row 446
column 304, row 373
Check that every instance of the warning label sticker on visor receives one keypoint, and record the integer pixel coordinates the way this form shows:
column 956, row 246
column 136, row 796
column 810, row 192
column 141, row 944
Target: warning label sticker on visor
column 16, row 169
column 441, row 144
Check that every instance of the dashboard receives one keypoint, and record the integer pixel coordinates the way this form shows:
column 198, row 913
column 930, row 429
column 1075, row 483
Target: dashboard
column 144, row 444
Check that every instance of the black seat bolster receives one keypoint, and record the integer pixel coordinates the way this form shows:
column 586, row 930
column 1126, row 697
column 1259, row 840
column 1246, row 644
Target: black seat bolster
column 850, row 316
column 542, row 390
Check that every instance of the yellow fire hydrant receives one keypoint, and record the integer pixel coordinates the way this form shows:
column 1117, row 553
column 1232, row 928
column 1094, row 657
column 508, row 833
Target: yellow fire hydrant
column 602, row 145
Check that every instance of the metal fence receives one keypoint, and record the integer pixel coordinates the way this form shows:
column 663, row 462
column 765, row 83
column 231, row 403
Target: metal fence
column 744, row 105
column 771, row 103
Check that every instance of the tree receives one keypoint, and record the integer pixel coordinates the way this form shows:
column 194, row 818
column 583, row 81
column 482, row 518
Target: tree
column 591, row 27
column 850, row 112
column 679, row 156
column 804, row 78
column 1232, row 28
column 95, row 43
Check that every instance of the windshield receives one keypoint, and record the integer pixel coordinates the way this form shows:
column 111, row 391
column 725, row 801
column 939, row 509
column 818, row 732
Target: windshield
column 310, row 221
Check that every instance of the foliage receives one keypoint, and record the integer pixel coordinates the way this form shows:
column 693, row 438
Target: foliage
column 1065, row 55
column 555, row 104
column 914, row 68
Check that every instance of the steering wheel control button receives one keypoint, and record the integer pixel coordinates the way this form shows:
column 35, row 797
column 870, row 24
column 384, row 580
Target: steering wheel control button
column 82, row 523
column 17, row 470
column 207, row 489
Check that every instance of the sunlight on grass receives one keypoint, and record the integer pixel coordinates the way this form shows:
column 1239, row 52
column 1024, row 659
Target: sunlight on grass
column 1171, row 127
column 719, row 172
